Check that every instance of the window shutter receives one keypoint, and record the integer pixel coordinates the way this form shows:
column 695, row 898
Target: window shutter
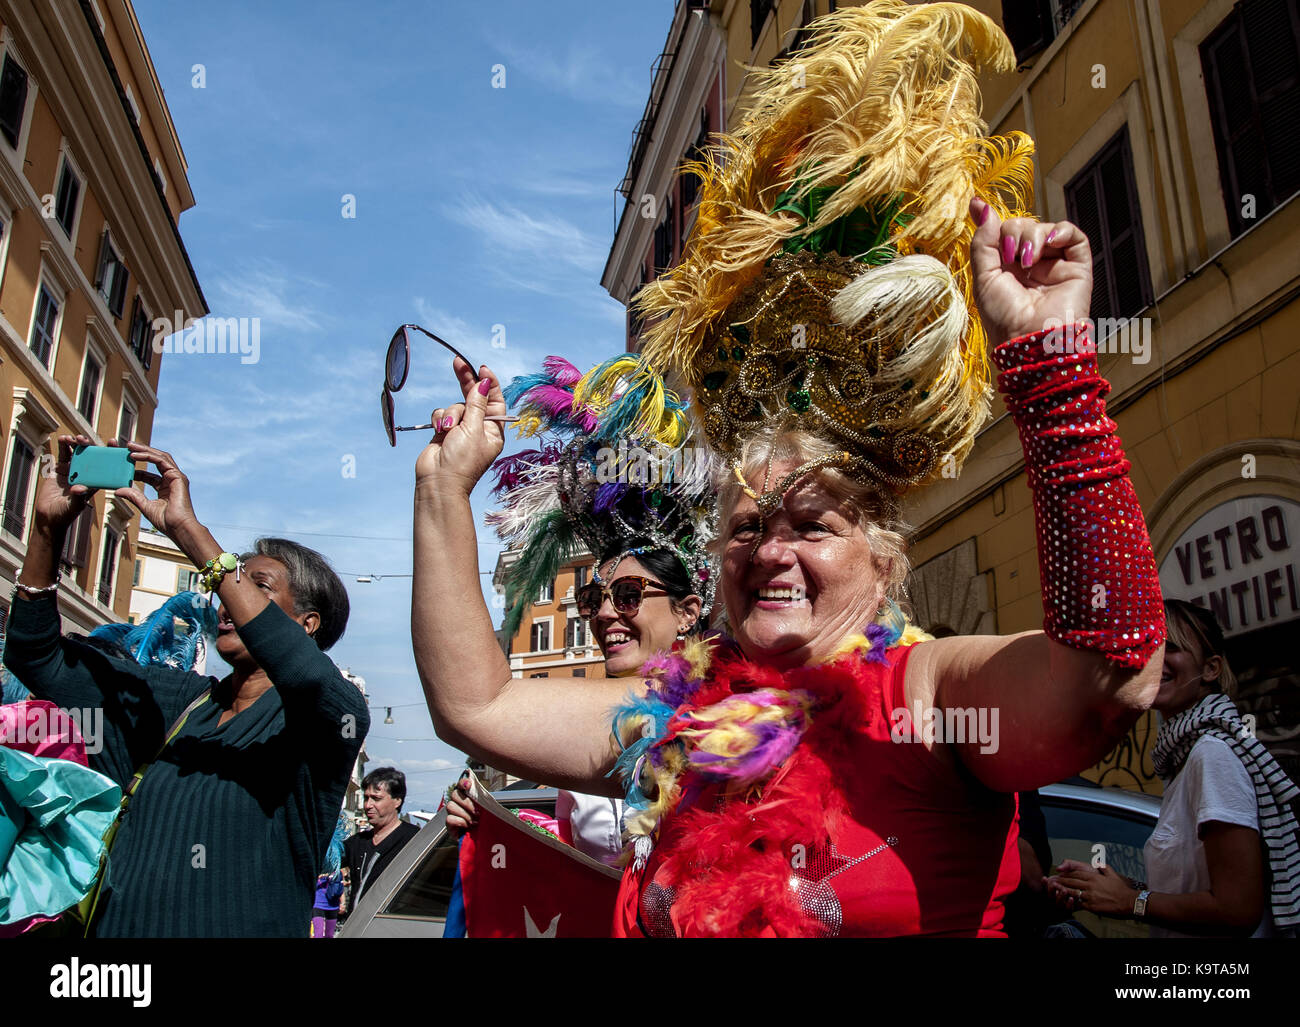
column 101, row 267
column 20, row 476
column 117, row 301
column 1251, row 65
column 13, row 100
column 1102, row 201
column 76, row 545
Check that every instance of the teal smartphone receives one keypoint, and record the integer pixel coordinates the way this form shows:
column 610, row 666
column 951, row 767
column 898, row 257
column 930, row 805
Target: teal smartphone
column 101, row 467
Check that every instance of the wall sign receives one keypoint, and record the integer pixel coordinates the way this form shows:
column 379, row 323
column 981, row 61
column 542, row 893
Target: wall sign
column 1241, row 561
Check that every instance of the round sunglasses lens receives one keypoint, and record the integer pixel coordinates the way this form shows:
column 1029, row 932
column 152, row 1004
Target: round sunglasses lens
column 396, row 362
column 588, row 597
column 386, row 412
column 626, row 596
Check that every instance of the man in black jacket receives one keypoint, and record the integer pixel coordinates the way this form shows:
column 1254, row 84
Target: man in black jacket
column 367, row 853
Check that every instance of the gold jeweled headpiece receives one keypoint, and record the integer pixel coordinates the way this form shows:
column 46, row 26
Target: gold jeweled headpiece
column 826, row 284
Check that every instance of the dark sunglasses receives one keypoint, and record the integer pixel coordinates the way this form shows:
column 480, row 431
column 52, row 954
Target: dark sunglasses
column 397, row 364
column 624, row 593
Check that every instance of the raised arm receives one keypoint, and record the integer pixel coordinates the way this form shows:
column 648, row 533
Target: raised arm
column 320, row 706
column 1065, row 696
column 34, row 651
column 554, row 730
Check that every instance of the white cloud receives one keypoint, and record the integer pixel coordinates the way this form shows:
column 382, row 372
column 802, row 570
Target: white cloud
column 581, row 72
column 268, row 293
column 547, row 238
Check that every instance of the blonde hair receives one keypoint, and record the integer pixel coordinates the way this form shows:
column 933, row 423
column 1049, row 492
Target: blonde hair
column 874, row 511
column 1194, row 629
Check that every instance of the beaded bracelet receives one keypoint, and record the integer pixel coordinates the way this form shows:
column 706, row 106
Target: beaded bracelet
column 215, row 570
column 32, row 590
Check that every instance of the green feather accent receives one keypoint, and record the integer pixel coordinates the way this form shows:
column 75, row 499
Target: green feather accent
column 862, row 234
column 553, row 543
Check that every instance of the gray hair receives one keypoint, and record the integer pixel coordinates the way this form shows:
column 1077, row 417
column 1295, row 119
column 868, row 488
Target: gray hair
column 314, row 586
column 875, row 511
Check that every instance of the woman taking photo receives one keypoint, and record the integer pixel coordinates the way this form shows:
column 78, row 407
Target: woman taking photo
column 239, row 779
column 823, row 317
column 1223, row 857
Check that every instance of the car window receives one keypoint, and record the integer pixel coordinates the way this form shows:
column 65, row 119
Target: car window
column 427, row 892
column 1075, row 831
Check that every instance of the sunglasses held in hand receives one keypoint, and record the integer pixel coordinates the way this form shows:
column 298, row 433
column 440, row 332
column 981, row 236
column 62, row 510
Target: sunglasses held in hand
column 396, row 365
column 624, row 593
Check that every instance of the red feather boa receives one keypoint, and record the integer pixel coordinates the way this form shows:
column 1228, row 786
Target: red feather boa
column 731, row 866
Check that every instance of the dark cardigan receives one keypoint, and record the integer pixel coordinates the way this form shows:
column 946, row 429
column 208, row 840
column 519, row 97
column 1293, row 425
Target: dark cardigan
column 228, row 830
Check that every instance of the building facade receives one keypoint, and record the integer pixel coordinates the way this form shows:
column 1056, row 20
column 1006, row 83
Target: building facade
column 161, row 571
column 92, row 184
column 552, row 639
column 1165, row 129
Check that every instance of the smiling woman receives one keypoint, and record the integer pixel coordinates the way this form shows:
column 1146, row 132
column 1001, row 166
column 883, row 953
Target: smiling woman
column 845, row 236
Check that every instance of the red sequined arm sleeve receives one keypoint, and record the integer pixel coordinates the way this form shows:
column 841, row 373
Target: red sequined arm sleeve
column 1101, row 590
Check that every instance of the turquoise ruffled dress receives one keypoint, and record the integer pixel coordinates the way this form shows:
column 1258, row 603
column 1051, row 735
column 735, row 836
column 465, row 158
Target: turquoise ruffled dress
column 53, row 817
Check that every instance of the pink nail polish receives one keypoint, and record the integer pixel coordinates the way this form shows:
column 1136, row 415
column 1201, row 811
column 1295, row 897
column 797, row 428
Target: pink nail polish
column 1051, row 235
column 1008, row 250
column 1027, row 255
column 446, row 423
column 984, row 214
column 485, row 386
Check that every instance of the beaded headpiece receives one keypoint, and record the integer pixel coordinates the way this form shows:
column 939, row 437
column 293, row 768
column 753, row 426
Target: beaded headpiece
column 603, row 479
column 826, row 285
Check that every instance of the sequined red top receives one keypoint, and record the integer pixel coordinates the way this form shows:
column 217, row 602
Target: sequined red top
column 924, row 848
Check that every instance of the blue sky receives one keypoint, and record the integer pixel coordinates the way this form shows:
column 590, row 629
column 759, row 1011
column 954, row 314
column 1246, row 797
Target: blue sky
column 475, row 206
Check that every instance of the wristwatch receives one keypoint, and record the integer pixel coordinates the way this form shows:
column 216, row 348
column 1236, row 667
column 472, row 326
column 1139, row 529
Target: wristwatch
column 1140, row 903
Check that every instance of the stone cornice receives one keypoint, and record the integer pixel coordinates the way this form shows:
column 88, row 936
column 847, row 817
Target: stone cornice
column 75, row 80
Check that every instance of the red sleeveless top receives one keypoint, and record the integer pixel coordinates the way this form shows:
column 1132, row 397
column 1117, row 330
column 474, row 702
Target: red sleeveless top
column 910, row 845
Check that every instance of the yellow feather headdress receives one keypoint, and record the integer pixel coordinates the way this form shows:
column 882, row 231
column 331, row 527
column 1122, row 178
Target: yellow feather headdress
column 827, row 282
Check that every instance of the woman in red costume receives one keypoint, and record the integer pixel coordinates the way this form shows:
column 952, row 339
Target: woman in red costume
column 831, row 770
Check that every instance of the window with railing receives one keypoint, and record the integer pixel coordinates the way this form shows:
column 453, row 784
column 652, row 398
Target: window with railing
column 1031, row 25
column 1252, row 81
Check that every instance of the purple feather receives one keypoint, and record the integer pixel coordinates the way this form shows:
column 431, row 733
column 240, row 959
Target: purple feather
column 561, row 371
column 551, row 398
column 607, row 495
column 774, row 744
column 879, row 636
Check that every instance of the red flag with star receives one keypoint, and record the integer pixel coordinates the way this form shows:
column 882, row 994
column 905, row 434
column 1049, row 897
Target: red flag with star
column 519, row 881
